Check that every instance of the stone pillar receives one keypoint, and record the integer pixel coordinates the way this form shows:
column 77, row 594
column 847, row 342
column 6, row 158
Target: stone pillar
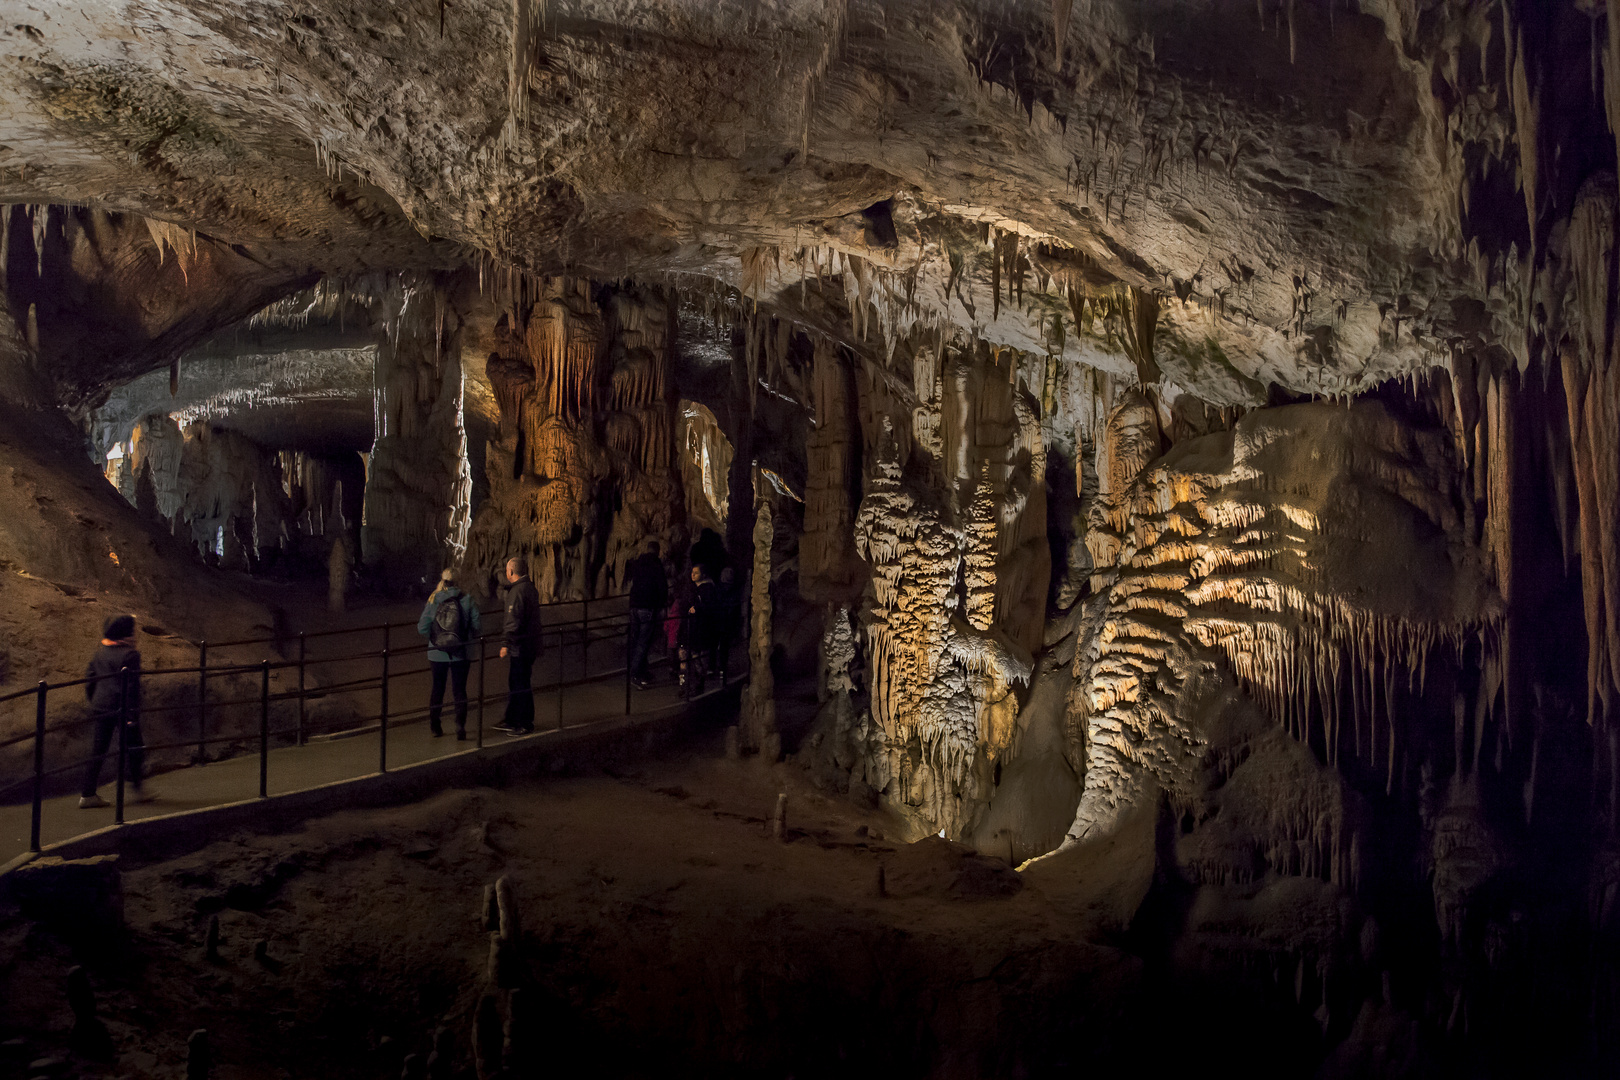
column 417, row 491
column 759, row 711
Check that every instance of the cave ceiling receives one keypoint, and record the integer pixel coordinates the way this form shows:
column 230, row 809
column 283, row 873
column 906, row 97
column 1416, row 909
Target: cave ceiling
column 1298, row 186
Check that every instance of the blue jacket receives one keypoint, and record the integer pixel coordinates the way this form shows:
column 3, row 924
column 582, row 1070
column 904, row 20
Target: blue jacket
column 469, row 612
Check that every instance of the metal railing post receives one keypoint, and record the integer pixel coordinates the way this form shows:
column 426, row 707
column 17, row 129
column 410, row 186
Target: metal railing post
column 264, row 729
column 560, row 651
column 302, row 655
column 202, row 701
column 123, row 744
column 483, row 665
column 585, row 638
column 629, row 650
column 39, row 767
column 382, row 726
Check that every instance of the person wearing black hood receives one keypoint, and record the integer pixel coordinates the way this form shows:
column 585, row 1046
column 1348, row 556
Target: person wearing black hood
column 113, row 688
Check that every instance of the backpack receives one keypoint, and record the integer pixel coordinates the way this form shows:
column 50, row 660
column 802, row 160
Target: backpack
column 449, row 629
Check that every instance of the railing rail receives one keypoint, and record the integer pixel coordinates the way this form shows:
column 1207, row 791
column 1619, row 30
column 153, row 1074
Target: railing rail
column 563, row 637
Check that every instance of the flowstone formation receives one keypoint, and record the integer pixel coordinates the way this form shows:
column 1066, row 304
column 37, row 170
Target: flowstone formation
column 1251, row 547
column 584, row 470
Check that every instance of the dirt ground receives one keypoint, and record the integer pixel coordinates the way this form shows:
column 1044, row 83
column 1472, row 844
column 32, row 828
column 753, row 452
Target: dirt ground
column 663, row 931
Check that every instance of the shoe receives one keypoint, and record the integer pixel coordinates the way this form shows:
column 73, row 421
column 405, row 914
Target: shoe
column 641, row 684
column 461, row 734
column 438, row 732
column 92, row 802
column 503, row 728
column 140, row 795
column 516, row 732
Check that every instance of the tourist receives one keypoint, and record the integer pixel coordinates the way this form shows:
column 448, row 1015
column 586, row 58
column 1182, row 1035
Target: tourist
column 522, row 648
column 702, row 610
column 450, row 622
column 113, row 688
column 649, row 592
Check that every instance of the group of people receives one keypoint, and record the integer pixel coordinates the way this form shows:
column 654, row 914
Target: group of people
column 700, row 624
column 450, row 621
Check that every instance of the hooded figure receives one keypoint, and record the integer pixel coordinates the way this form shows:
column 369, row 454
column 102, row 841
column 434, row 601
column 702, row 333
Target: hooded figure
column 113, row 689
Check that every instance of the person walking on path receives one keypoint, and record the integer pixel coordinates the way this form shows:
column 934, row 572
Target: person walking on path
column 114, row 692
column 649, row 593
column 698, row 629
column 450, row 622
column 522, row 648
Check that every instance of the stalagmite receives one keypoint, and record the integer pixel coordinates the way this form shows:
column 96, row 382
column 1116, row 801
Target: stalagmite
column 758, row 722
column 199, row 1056
column 339, row 566
column 417, row 492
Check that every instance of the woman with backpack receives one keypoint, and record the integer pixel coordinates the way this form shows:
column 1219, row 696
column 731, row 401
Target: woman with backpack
column 450, row 623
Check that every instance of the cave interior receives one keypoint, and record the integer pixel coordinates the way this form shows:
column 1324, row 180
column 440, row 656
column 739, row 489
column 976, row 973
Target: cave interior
column 1168, row 452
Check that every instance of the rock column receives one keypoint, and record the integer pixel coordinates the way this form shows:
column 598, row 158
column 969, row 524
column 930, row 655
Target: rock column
column 419, row 485
column 759, row 716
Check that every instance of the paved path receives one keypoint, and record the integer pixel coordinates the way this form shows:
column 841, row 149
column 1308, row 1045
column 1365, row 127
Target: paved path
column 329, row 759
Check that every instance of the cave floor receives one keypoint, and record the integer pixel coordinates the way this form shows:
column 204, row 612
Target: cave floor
column 664, row 932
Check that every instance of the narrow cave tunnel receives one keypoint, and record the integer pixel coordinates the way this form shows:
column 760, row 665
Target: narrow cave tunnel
column 984, row 531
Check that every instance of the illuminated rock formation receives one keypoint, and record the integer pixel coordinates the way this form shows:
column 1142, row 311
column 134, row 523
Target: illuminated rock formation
column 1247, row 555
column 418, row 497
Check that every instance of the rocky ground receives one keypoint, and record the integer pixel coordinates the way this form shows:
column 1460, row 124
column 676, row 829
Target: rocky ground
column 662, row 930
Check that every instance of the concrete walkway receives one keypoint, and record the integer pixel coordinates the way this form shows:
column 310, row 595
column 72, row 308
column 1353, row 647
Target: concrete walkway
column 346, row 756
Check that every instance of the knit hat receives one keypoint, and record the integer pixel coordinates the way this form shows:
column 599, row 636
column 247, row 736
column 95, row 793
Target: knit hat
column 119, row 627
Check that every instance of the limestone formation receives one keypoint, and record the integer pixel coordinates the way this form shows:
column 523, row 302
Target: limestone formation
column 1178, row 444
column 417, row 486
column 758, row 724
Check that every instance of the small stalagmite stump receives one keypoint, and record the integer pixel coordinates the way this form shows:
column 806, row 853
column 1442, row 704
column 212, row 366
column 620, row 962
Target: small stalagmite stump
column 521, row 1053
column 211, row 941
column 492, row 970
column 506, row 909
column 779, row 817
column 89, row 1038
column 882, row 882
column 733, row 743
column 489, row 913
column 199, row 1058
column 487, row 1036
column 441, row 1062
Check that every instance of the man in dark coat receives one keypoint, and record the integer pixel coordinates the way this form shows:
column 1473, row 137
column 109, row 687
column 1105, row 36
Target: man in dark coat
column 522, row 648
column 114, row 693
column 649, row 594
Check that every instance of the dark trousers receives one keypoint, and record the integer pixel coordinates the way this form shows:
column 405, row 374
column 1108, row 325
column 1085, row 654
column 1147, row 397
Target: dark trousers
column 520, row 692
column 106, row 733
column 456, row 672
column 643, row 624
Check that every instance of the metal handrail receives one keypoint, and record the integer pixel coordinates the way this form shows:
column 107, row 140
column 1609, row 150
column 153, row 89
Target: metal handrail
column 584, row 632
